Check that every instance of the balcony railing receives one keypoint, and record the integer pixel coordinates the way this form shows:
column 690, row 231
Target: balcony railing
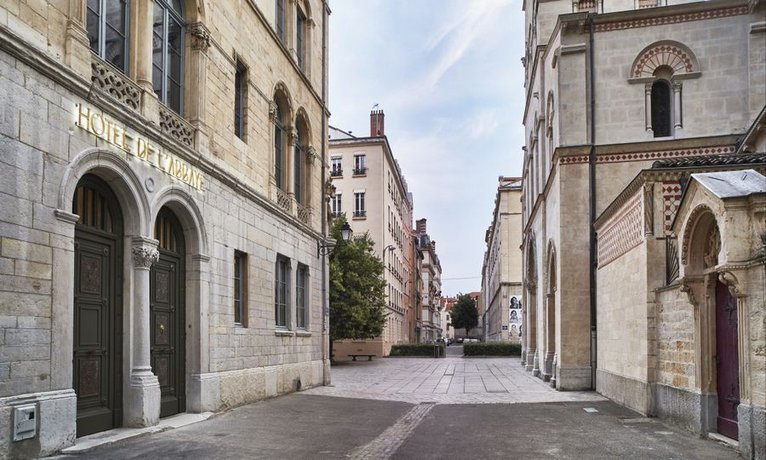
column 336, row 172
column 304, row 214
column 284, row 201
column 115, row 83
column 360, row 213
column 360, row 171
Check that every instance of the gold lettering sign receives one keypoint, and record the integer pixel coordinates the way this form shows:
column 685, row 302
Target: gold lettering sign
column 107, row 129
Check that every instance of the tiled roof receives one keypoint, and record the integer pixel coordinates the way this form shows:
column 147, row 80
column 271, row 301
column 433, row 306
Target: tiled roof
column 711, row 160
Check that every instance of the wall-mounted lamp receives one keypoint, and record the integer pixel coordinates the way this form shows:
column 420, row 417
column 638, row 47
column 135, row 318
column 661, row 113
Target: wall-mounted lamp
column 345, row 234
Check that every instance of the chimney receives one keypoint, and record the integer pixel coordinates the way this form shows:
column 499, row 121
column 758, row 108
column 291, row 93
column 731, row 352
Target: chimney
column 421, row 226
column 377, row 119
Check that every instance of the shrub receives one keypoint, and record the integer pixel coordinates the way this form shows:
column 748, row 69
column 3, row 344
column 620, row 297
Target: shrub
column 492, row 349
column 416, row 349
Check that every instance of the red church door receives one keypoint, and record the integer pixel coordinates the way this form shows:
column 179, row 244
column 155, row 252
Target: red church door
column 727, row 358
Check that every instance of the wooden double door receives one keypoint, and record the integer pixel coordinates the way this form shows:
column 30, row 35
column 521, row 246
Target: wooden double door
column 97, row 360
column 167, row 302
column 97, row 327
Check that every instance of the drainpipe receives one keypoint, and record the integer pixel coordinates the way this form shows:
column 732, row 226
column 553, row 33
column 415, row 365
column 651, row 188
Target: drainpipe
column 592, row 177
column 322, row 207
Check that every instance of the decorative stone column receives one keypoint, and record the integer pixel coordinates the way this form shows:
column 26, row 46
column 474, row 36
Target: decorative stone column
column 77, row 46
column 678, row 122
column 648, row 105
column 292, row 137
column 142, row 406
column 142, row 59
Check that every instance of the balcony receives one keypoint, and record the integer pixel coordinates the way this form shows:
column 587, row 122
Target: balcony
column 360, row 171
column 360, row 214
column 336, row 173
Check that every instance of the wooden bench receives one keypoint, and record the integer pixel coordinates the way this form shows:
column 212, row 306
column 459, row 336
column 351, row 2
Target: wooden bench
column 369, row 357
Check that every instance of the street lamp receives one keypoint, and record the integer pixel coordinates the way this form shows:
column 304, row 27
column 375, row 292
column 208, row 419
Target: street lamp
column 390, row 247
column 329, row 245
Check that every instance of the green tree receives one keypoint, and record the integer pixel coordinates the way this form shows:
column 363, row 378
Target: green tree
column 357, row 288
column 464, row 313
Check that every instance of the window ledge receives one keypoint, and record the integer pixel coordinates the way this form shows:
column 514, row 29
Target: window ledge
column 284, row 333
column 303, row 333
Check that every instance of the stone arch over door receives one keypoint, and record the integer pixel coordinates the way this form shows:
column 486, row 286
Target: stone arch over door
column 530, row 319
column 196, row 304
column 717, row 321
column 549, row 368
column 115, row 175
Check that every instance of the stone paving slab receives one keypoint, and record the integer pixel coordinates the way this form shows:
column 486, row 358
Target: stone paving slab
column 450, row 380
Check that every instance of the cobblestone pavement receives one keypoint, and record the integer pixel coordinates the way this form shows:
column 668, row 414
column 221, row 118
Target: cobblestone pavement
column 420, row 408
column 450, row 380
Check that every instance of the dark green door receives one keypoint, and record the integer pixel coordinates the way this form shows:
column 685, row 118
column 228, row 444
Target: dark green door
column 167, row 314
column 97, row 354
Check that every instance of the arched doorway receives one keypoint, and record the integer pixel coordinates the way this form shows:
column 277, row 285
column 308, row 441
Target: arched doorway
column 167, row 308
column 97, row 354
column 550, row 319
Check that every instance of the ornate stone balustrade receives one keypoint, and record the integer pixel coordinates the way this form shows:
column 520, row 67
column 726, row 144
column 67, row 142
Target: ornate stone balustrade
column 114, row 83
column 304, row 214
column 176, row 126
column 284, row 201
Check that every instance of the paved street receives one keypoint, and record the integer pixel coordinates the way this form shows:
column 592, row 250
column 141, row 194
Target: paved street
column 406, row 408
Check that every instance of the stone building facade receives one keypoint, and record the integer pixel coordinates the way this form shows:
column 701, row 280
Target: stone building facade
column 371, row 191
column 611, row 88
column 501, row 271
column 429, row 327
column 162, row 211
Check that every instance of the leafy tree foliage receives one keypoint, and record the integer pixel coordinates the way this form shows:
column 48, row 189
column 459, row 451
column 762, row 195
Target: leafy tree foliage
column 464, row 313
column 357, row 288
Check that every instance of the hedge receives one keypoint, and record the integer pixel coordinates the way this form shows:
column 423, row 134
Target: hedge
column 416, row 349
column 492, row 349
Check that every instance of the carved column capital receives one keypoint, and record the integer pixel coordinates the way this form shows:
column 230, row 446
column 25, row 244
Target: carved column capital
column 687, row 289
column 144, row 252
column 200, row 36
column 311, row 155
column 273, row 111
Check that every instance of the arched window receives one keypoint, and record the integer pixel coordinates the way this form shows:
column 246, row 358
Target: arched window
column 662, row 67
column 107, row 24
column 168, row 55
column 661, row 108
column 279, row 147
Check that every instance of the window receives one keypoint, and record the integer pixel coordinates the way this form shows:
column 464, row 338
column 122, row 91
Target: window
column 359, row 165
column 300, row 38
column 280, row 20
column 301, row 285
column 336, row 167
column 240, row 288
column 240, row 94
column 661, row 118
column 336, row 205
column 279, row 148
column 107, row 24
column 299, row 164
column 168, row 53
column 359, row 204
column 282, row 291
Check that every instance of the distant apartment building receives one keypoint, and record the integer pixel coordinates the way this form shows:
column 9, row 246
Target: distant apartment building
column 429, row 327
column 371, row 192
column 445, row 311
column 501, row 271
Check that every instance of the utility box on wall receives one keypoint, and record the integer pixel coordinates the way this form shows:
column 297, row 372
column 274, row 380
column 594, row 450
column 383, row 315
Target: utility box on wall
column 24, row 422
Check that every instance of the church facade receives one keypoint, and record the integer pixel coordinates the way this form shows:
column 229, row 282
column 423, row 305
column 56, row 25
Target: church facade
column 612, row 88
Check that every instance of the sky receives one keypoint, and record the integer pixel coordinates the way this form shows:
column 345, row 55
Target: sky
column 449, row 78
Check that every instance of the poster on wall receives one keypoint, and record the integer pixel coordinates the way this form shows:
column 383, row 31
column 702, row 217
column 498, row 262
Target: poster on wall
column 514, row 321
